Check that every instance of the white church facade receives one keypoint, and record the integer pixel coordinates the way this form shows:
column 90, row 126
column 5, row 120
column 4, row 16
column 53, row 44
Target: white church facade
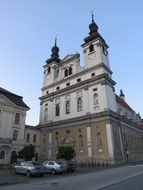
column 79, row 107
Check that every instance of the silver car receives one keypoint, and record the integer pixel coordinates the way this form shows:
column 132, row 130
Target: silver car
column 54, row 167
column 29, row 168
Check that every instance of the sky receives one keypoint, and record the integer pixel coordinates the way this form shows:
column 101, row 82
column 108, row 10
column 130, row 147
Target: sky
column 27, row 33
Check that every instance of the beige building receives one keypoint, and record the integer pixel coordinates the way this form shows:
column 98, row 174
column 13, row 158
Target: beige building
column 79, row 107
column 12, row 125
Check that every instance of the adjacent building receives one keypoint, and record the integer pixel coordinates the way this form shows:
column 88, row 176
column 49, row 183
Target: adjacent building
column 79, row 107
column 12, row 125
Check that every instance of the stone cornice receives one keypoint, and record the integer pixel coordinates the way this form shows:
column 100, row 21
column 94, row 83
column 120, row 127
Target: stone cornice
column 83, row 72
column 104, row 79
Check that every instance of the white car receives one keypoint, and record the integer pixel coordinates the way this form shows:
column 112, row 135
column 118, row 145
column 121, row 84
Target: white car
column 54, row 167
column 29, row 168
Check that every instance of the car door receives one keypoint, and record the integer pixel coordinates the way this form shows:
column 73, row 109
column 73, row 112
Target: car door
column 50, row 165
column 19, row 168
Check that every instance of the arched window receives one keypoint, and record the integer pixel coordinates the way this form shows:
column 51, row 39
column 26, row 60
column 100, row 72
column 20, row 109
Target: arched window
column 99, row 139
column 79, row 104
column 2, row 154
column 95, row 101
column 80, row 142
column 46, row 114
column 49, row 70
column 17, row 118
column 66, row 72
column 70, row 71
column 57, row 110
column 67, row 107
column 91, row 48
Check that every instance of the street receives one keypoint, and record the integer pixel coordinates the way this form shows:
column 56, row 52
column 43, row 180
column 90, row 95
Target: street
column 127, row 177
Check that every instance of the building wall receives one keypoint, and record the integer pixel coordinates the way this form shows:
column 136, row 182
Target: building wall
column 11, row 132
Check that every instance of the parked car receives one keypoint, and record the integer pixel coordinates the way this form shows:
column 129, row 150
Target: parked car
column 29, row 168
column 70, row 165
column 54, row 167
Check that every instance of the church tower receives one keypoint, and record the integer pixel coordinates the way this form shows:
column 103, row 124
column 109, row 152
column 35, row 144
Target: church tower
column 52, row 65
column 95, row 47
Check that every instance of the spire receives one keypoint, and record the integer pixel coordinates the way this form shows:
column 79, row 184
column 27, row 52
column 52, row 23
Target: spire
column 93, row 26
column 55, row 53
column 93, row 32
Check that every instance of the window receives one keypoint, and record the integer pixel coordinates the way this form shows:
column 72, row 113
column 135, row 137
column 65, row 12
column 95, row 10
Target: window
column 47, row 92
column 46, row 114
column 56, row 142
column 68, row 84
column 2, row 154
column 80, row 142
column 99, row 139
column 92, row 74
column 58, row 88
column 67, row 107
column 95, row 89
column 49, row 70
column 15, row 135
column 79, row 104
column 67, row 132
column 57, row 110
column 95, row 101
column 57, row 133
column 34, row 138
column 28, row 138
column 17, row 118
column 68, row 71
column 91, row 48
column 78, row 80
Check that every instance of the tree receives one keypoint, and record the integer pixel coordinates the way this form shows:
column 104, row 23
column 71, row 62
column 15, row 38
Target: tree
column 27, row 153
column 65, row 152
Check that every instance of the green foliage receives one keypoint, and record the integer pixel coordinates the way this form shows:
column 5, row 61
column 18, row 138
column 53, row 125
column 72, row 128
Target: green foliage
column 65, row 152
column 27, row 153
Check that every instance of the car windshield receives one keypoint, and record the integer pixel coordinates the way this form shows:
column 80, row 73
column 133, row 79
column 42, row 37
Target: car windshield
column 36, row 164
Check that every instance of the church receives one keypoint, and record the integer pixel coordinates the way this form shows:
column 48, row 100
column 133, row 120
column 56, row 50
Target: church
column 79, row 107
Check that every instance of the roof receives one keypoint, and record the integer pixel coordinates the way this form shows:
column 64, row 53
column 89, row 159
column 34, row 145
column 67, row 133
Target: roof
column 30, row 127
column 120, row 101
column 13, row 97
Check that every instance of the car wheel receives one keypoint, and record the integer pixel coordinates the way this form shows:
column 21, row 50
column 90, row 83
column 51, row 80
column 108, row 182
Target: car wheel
column 53, row 171
column 28, row 173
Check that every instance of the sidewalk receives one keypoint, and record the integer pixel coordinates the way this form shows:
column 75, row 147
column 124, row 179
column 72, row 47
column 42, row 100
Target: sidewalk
column 6, row 178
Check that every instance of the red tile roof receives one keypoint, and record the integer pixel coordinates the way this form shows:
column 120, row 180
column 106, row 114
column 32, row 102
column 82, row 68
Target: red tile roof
column 121, row 102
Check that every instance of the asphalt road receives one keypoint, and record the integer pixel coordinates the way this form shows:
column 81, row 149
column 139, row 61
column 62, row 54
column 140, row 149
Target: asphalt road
column 135, row 183
column 128, row 177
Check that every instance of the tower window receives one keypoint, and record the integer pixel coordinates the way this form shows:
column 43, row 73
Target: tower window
column 49, row 70
column 91, row 48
